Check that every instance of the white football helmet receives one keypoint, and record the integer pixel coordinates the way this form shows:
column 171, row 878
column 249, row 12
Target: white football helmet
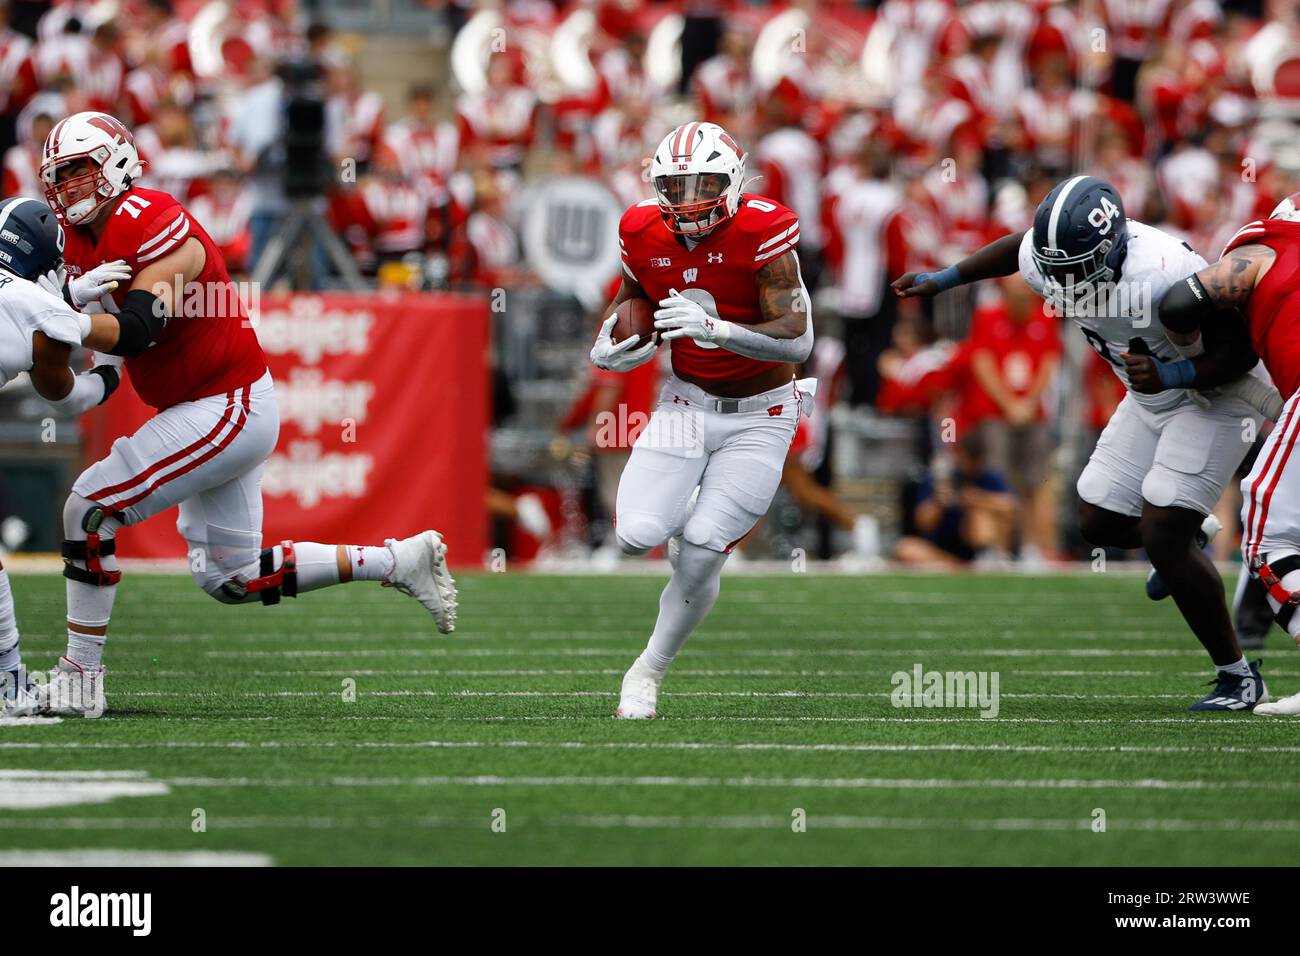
column 698, row 172
column 1286, row 209
column 107, row 146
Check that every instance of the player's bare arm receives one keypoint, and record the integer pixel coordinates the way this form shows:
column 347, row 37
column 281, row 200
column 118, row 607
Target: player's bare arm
column 1001, row 257
column 149, row 304
column 55, row 381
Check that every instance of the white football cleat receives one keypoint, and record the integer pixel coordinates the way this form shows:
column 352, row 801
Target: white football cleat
column 74, row 691
column 1282, row 707
column 640, row 692
column 420, row 571
column 20, row 697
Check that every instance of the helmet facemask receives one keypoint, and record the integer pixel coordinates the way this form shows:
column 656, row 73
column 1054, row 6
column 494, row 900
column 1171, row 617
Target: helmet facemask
column 89, row 201
column 692, row 203
column 1075, row 278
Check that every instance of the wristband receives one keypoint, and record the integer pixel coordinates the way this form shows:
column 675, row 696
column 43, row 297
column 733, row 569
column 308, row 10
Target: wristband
column 945, row 278
column 1178, row 374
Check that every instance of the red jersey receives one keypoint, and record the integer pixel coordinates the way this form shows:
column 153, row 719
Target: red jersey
column 196, row 355
column 1019, row 351
column 718, row 273
column 1273, row 310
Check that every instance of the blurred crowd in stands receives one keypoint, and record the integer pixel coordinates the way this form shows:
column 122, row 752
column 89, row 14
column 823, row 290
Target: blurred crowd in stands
column 904, row 133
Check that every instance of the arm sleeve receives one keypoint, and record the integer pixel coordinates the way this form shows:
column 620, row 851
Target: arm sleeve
column 745, row 341
column 88, row 390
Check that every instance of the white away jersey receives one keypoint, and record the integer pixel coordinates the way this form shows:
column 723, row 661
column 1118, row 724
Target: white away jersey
column 1122, row 318
column 26, row 308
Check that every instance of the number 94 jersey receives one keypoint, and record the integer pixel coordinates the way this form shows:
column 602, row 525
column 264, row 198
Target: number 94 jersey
column 1121, row 317
column 718, row 273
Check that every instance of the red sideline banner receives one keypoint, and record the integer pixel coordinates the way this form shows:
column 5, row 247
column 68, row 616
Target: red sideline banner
column 383, row 423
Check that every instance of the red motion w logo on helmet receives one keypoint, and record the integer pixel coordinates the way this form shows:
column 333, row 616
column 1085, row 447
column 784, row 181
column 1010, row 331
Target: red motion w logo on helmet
column 112, row 127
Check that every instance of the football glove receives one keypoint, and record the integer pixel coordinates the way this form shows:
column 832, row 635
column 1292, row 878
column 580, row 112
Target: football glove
column 622, row 357
column 98, row 282
column 680, row 317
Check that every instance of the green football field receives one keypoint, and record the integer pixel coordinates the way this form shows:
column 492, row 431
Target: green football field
column 340, row 729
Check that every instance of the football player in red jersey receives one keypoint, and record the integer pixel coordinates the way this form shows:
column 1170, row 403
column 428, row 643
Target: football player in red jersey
column 1259, row 274
column 217, row 419
column 723, row 269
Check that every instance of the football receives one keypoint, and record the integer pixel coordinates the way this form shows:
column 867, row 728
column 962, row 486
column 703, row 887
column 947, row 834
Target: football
column 635, row 317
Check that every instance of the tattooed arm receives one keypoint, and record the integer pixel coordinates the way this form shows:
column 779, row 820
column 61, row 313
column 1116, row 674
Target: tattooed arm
column 784, row 335
column 1200, row 299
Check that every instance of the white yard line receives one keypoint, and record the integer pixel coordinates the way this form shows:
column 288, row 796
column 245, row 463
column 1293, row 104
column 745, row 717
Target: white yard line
column 97, row 857
column 626, row 653
column 853, row 695
column 618, row 671
column 813, row 783
column 637, row 745
column 780, row 824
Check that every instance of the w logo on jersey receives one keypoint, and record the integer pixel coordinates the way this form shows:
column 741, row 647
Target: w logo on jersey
column 688, row 275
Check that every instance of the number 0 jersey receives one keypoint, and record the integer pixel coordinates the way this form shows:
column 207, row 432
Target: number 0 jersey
column 1122, row 317
column 208, row 346
column 718, row 273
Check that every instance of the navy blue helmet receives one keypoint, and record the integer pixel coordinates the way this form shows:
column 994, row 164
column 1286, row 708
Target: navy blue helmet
column 1080, row 234
column 31, row 239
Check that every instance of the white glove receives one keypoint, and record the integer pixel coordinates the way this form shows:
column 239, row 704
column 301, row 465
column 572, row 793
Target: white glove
column 686, row 318
column 621, row 357
column 98, row 282
column 52, row 281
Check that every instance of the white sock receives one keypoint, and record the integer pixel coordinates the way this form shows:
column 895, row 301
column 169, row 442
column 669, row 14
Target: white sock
column 317, row 564
column 1241, row 668
column 85, row 649
column 10, row 657
column 688, row 597
column 370, row 563
column 90, row 606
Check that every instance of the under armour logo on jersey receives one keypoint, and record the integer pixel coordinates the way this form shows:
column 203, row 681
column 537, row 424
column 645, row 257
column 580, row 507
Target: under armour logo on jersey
column 688, row 275
column 715, row 257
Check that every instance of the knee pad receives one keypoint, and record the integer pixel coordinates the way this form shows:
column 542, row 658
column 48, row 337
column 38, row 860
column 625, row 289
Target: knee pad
column 232, row 567
column 637, row 534
column 1272, row 570
column 90, row 530
column 270, row 583
column 1160, row 488
column 1093, row 485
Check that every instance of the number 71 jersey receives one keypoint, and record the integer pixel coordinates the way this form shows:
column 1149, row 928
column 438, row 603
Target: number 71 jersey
column 718, row 273
column 209, row 346
column 1122, row 317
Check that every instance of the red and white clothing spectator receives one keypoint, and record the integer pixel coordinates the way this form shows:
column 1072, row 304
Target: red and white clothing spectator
column 225, row 218
column 723, row 88
column 1134, row 24
column 914, row 28
column 427, row 151
column 865, row 215
column 1020, row 351
column 495, row 247
column 790, row 162
column 357, row 124
column 22, row 167
column 962, row 205
column 498, row 121
column 14, row 52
